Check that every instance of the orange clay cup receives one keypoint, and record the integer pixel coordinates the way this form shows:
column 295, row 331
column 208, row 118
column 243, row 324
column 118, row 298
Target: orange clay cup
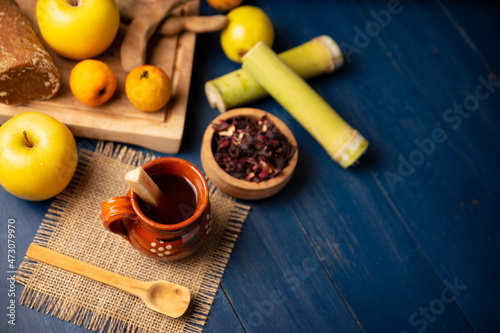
column 123, row 216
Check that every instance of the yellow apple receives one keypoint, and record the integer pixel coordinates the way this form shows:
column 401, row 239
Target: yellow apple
column 38, row 156
column 247, row 25
column 78, row 29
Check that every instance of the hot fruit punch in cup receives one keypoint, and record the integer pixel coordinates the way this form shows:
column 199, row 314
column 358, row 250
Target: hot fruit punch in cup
column 176, row 203
column 166, row 213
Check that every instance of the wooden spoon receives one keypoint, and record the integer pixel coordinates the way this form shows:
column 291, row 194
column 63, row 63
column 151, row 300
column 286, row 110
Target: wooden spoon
column 165, row 297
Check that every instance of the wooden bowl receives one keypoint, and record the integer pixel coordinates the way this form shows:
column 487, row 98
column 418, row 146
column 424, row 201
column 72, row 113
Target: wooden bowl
column 233, row 186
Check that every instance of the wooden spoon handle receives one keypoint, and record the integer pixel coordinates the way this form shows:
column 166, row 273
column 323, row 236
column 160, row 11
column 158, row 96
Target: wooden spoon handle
column 45, row 255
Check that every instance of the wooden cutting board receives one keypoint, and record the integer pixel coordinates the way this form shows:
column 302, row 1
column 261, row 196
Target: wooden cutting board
column 117, row 119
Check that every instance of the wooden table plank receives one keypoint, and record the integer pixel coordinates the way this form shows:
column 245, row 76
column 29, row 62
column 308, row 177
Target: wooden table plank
column 459, row 211
column 447, row 75
column 118, row 119
column 367, row 250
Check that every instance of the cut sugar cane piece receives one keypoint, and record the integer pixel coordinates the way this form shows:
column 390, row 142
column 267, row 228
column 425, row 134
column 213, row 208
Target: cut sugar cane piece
column 343, row 143
column 27, row 72
column 143, row 186
column 318, row 56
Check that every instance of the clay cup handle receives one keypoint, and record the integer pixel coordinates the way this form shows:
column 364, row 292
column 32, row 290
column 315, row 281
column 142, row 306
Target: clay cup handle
column 116, row 213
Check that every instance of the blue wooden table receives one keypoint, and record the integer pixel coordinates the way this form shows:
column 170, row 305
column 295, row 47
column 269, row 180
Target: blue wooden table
column 407, row 241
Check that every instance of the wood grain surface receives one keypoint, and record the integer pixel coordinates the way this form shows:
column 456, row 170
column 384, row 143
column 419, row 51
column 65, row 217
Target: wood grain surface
column 117, row 119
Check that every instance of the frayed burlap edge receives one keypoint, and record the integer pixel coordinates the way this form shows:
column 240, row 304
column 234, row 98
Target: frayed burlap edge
column 99, row 322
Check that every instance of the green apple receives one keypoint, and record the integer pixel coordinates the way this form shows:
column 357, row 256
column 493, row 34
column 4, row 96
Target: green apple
column 38, row 156
column 78, row 29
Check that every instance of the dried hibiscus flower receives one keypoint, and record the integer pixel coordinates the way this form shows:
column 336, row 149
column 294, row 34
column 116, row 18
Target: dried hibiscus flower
column 251, row 150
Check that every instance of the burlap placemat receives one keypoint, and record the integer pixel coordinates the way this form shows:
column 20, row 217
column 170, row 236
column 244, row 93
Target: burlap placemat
column 73, row 227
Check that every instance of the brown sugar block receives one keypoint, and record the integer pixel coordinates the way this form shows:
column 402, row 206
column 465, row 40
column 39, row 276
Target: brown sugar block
column 27, row 71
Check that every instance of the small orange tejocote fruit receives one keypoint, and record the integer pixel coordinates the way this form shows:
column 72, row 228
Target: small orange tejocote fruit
column 148, row 87
column 92, row 82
